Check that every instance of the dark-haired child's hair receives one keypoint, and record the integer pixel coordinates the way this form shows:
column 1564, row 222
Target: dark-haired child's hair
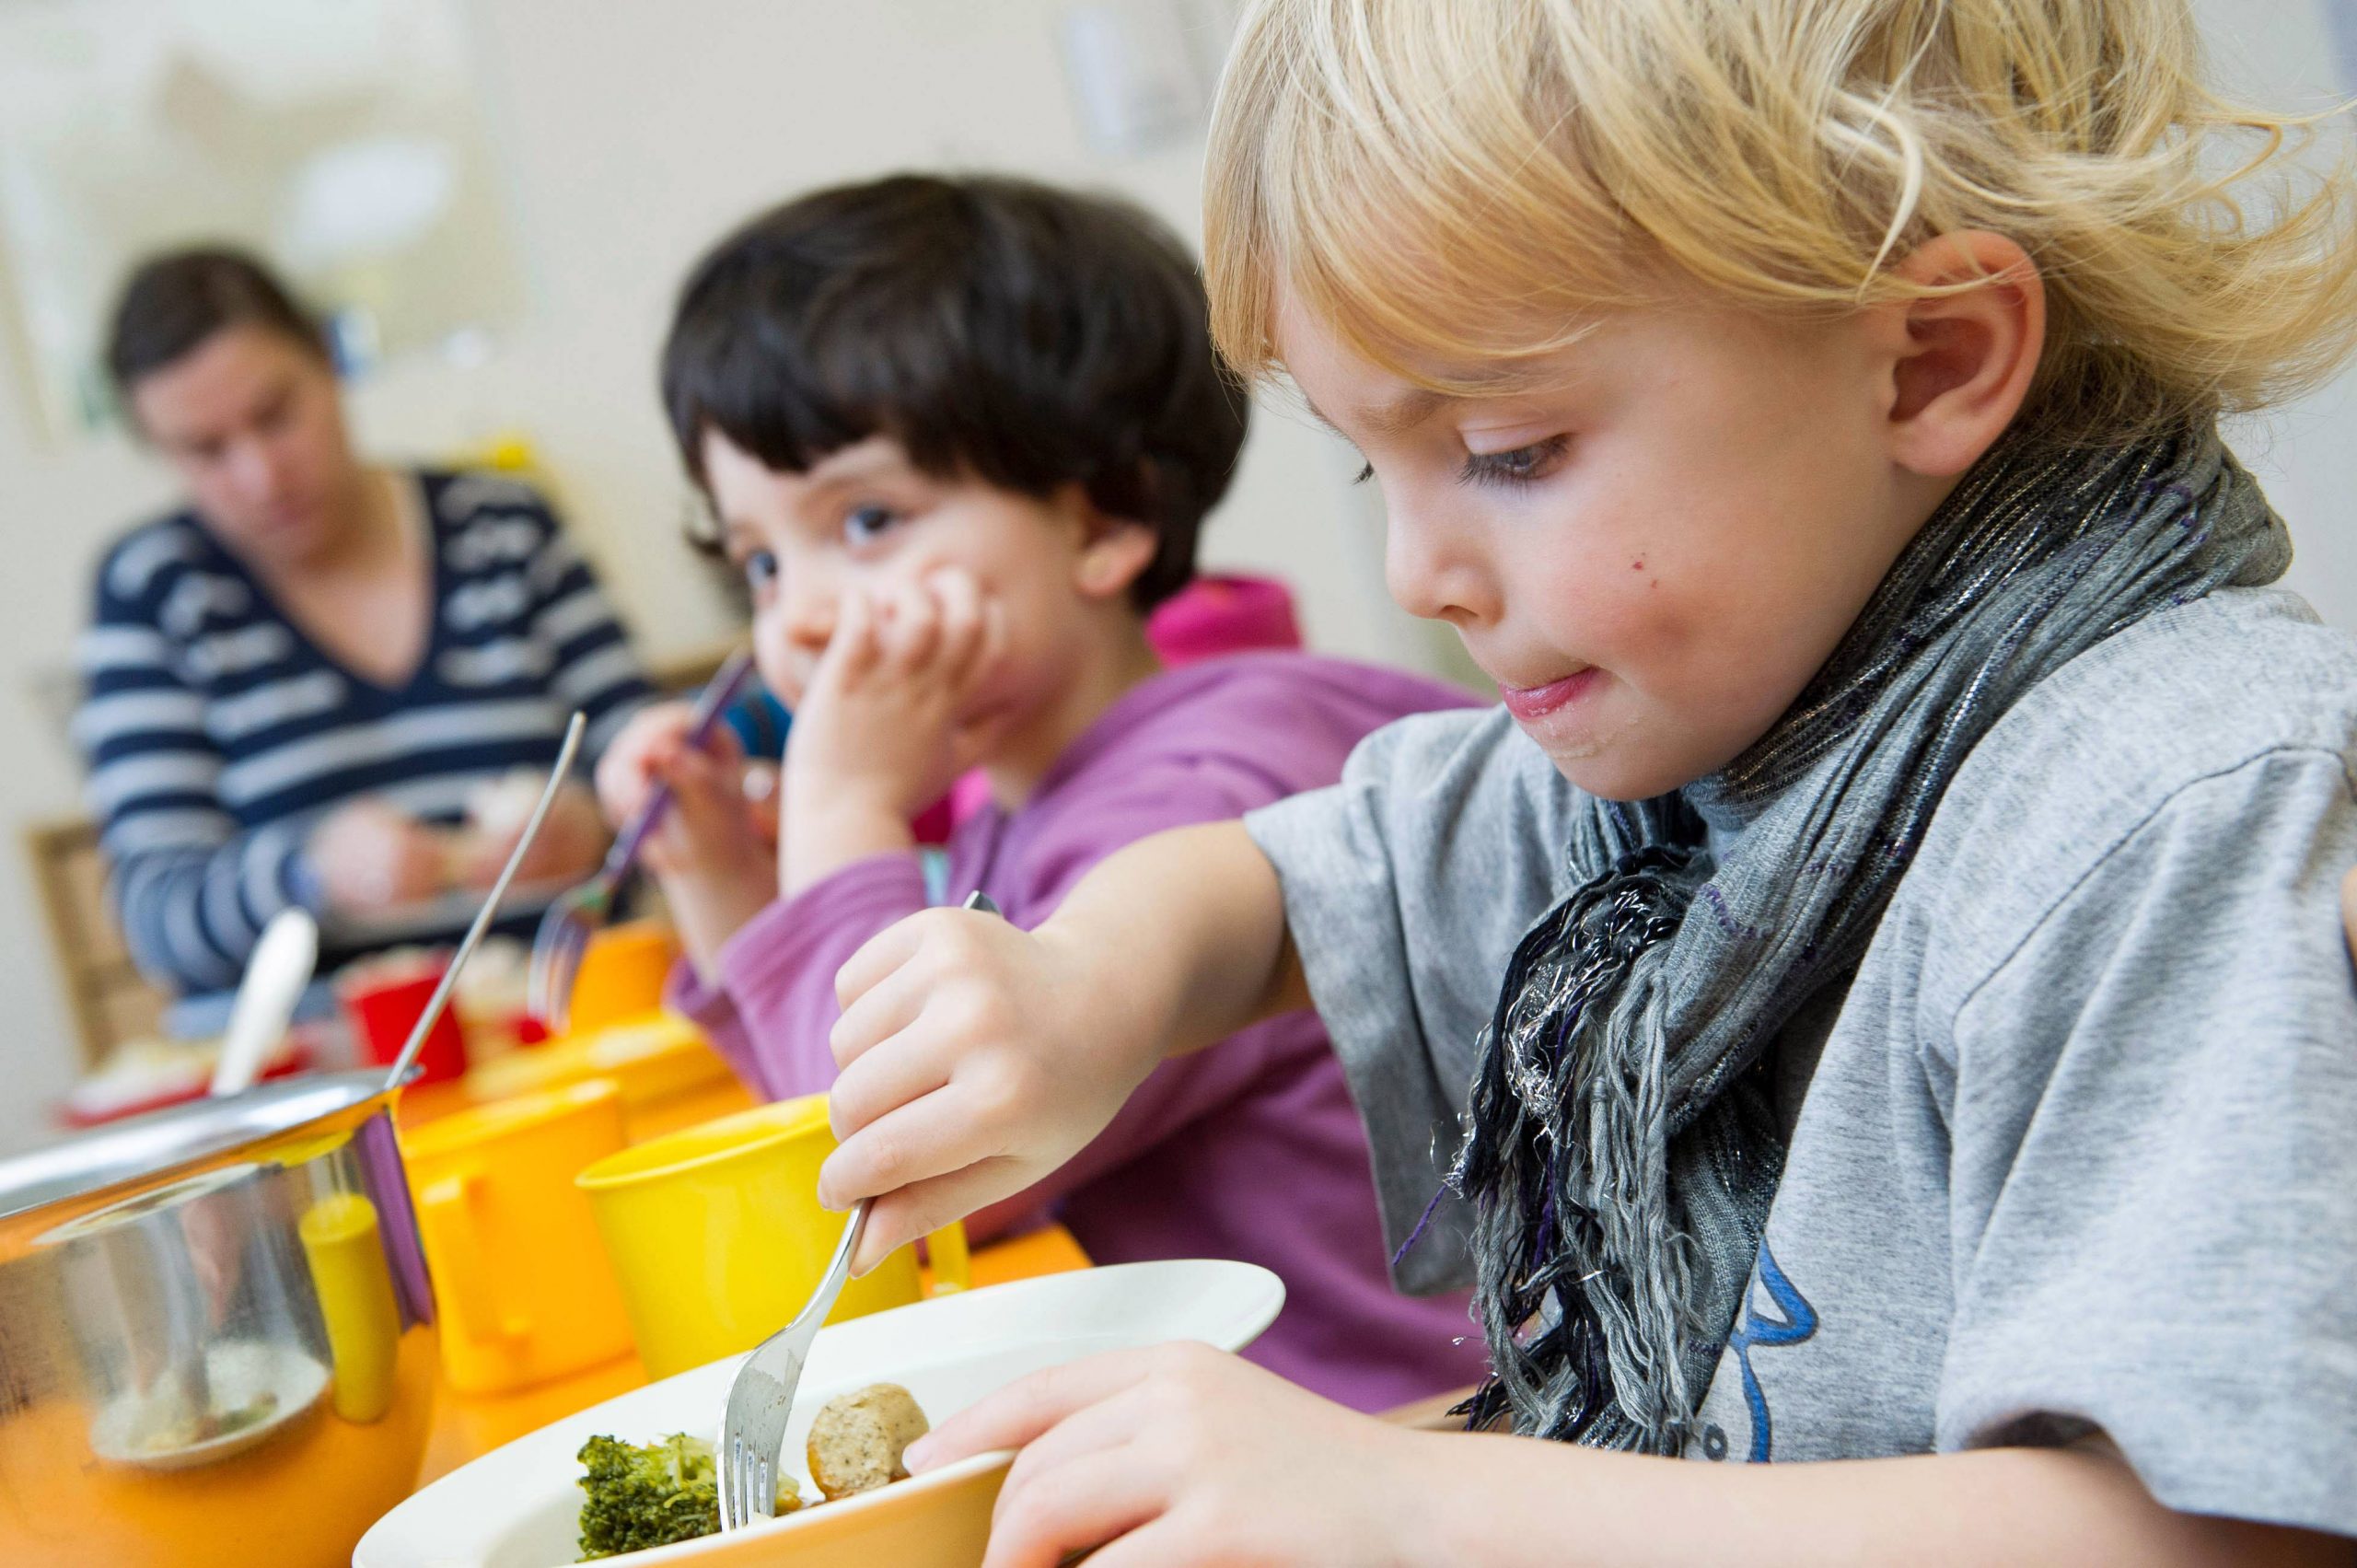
column 175, row 301
column 1029, row 337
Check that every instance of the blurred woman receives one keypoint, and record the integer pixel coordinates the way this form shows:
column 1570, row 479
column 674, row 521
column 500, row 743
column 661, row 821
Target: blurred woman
column 297, row 683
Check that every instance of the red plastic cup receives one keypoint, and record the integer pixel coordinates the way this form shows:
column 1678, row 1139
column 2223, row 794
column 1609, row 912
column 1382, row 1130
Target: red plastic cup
column 384, row 1012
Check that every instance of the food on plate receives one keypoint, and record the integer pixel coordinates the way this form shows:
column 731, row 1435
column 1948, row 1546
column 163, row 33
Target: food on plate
column 857, row 1439
column 652, row 1494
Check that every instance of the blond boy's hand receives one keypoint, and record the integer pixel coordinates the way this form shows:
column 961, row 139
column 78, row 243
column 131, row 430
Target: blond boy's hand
column 1190, row 1456
column 976, row 1058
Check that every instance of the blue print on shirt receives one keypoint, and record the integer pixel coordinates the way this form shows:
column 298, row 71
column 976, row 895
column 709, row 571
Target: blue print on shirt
column 1796, row 1323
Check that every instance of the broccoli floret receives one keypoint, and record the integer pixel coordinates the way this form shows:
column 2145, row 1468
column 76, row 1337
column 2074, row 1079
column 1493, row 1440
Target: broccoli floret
column 652, row 1495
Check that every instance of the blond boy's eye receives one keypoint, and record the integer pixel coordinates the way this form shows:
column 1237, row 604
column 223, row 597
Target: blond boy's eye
column 1365, row 473
column 1521, row 465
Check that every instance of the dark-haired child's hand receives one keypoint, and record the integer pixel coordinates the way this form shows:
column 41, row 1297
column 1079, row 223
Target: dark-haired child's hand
column 879, row 734
column 713, row 851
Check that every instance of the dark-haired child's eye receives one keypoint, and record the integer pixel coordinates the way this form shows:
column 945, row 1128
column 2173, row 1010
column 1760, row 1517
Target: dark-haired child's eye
column 1364, row 475
column 759, row 567
column 864, row 525
column 1522, row 465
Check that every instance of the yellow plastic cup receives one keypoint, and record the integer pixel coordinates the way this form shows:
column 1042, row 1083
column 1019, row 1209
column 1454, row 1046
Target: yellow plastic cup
column 622, row 976
column 525, row 1291
column 718, row 1237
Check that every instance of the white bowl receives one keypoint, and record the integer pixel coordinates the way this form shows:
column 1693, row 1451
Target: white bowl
column 518, row 1506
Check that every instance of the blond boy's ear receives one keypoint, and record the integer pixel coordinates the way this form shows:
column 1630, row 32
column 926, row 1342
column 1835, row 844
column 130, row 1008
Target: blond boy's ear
column 1962, row 355
column 2348, row 911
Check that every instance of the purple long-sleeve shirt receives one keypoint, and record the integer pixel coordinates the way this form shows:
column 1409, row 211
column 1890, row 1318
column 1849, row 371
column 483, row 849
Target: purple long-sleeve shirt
column 1250, row 1149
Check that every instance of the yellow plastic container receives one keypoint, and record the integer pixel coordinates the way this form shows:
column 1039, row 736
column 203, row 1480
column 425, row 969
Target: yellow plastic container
column 653, row 1058
column 718, row 1237
column 622, row 976
column 522, row 1282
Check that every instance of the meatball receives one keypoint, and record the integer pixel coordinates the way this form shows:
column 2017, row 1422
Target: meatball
column 857, row 1439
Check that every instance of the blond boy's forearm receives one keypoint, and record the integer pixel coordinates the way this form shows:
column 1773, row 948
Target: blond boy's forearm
column 1190, row 924
column 1509, row 1500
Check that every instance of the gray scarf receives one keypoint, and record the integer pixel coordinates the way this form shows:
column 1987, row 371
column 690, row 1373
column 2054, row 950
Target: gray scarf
column 1621, row 1150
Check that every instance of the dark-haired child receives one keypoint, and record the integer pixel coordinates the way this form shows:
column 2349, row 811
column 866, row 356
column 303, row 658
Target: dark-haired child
column 960, row 435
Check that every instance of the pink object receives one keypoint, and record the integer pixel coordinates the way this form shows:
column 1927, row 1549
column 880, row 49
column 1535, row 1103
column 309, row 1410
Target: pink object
column 1212, row 616
column 1208, row 618
column 382, row 1014
column 933, row 824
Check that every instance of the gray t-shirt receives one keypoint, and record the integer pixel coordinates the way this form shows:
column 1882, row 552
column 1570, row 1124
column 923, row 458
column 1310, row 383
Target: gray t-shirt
column 2078, row 1148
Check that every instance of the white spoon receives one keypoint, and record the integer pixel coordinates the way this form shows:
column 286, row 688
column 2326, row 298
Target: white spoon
column 281, row 966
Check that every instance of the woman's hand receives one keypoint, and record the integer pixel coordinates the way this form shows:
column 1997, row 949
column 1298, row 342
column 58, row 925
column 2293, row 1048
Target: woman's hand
column 877, row 737
column 1183, row 1455
column 371, row 856
column 571, row 842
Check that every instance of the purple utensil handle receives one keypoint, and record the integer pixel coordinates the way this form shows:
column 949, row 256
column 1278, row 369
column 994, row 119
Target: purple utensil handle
column 706, row 718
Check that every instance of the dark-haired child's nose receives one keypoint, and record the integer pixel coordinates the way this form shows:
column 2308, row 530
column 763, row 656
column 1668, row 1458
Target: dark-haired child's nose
column 810, row 615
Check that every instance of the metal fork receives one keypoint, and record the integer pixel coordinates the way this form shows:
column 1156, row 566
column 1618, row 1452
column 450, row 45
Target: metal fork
column 579, row 914
column 761, row 1400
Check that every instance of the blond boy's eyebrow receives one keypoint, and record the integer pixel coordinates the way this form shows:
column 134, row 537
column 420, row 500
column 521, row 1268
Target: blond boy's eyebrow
column 1405, row 411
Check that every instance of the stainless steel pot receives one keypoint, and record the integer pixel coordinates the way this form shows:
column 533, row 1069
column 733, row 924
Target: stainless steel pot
column 216, row 1334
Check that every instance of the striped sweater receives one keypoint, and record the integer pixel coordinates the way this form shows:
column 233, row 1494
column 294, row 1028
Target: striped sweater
column 217, row 734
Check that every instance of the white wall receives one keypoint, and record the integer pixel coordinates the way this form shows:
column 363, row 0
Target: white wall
column 637, row 133
column 2278, row 51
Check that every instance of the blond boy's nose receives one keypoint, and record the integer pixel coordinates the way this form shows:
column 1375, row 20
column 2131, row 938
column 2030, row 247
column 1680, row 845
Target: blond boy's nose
column 1432, row 579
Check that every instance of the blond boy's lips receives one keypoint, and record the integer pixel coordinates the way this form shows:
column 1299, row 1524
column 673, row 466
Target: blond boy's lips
column 1529, row 704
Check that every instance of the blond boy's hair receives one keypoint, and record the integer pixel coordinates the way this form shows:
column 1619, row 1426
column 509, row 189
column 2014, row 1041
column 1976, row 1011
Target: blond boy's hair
column 1457, row 187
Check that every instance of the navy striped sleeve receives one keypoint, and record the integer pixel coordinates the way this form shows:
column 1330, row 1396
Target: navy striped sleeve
column 190, row 889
